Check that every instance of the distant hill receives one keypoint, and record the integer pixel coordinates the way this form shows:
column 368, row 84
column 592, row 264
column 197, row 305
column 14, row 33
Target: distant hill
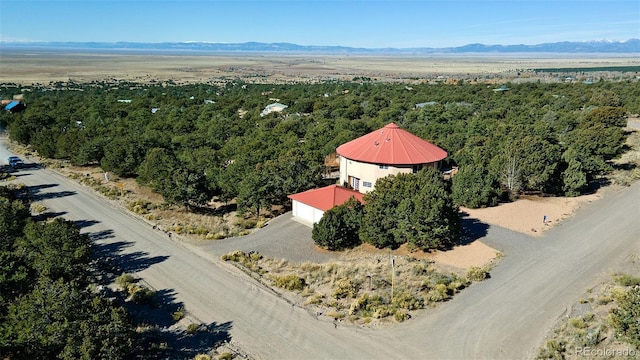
column 629, row 46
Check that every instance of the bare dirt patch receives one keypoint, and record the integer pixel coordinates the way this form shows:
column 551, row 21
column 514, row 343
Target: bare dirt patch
column 527, row 215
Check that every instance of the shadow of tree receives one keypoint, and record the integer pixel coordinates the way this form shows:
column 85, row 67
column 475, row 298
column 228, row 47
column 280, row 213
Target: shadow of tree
column 163, row 337
column 472, row 229
column 52, row 195
column 164, row 328
column 183, row 344
column 101, row 235
column 47, row 215
column 111, row 259
column 35, row 192
column 84, row 223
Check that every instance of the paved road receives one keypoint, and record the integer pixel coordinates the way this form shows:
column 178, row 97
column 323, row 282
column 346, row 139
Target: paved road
column 503, row 317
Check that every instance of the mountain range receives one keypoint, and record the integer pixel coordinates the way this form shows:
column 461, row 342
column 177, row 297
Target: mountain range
column 629, row 46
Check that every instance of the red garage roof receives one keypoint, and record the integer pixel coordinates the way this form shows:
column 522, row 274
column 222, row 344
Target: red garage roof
column 391, row 145
column 327, row 197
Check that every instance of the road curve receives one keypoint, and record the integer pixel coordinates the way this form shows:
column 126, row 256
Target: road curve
column 503, row 317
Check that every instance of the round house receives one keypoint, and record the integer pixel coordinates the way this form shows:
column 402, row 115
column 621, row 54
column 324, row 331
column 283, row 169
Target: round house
column 387, row 151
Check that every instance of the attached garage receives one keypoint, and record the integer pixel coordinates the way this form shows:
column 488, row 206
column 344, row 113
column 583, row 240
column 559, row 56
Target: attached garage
column 309, row 206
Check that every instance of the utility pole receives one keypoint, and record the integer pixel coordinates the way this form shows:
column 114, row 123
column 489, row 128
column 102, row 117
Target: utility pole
column 393, row 271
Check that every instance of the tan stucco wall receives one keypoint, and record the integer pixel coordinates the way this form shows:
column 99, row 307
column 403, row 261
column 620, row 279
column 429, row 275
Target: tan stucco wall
column 367, row 172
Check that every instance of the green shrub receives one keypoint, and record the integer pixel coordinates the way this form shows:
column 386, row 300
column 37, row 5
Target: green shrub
column 193, row 328
column 627, row 280
column 578, row 323
column 179, row 314
column 367, row 304
column 143, row 295
column 475, row 273
column 404, row 300
column 343, row 288
column 553, row 349
column 382, row 312
column 225, row 356
column 626, row 318
column 439, row 293
column 290, row 282
column 124, row 280
column 400, row 315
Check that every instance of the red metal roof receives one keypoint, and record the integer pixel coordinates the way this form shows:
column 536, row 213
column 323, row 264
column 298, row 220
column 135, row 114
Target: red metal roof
column 391, row 145
column 327, row 197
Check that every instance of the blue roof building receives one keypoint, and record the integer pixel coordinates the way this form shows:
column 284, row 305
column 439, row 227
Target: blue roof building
column 15, row 106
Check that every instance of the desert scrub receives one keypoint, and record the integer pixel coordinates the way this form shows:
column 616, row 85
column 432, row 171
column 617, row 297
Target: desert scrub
column 141, row 294
column 225, row 356
column 439, row 293
column 336, row 315
column 38, row 208
column 315, row 299
column 627, row 280
column 367, row 305
column 124, row 280
column 109, row 192
column 404, row 300
column 476, row 273
column 625, row 319
column 291, row 282
column 578, row 323
column 140, row 207
column 90, row 181
column 193, row 328
column 248, row 260
column 344, row 288
column 553, row 349
column 400, row 315
column 179, row 314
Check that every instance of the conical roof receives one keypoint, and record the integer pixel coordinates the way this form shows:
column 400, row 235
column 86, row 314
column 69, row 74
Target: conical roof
column 391, row 145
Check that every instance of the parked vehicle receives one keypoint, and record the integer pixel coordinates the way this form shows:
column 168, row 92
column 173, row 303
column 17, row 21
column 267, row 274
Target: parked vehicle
column 15, row 162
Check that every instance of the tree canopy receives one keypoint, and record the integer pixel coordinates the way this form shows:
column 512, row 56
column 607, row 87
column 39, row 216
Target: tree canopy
column 192, row 142
column 47, row 309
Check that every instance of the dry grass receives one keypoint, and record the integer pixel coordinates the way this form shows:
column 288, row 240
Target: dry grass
column 366, row 291
column 43, row 67
column 587, row 326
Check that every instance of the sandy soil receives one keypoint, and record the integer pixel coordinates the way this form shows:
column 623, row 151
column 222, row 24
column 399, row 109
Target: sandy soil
column 527, row 215
column 474, row 254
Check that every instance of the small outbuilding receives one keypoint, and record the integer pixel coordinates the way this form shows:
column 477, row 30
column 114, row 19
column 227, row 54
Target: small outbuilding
column 309, row 206
column 15, row 106
column 275, row 107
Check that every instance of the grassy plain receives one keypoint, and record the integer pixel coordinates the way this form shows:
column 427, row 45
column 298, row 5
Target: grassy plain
column 37, row 66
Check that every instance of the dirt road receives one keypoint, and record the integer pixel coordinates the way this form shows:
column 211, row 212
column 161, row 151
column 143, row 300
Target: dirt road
column 503, row 317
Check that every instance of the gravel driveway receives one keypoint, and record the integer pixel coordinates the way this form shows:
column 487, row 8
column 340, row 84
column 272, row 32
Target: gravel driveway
column 281, row 238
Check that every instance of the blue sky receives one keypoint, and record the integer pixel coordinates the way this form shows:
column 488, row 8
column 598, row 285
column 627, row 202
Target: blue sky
column 370, row 24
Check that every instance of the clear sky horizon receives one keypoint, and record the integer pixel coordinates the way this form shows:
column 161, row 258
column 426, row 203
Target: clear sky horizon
column 367, row 24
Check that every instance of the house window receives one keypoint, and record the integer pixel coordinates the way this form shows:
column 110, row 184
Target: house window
column 355, row 183
column 366, row 184
column 384, row 167
column 417, row 168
